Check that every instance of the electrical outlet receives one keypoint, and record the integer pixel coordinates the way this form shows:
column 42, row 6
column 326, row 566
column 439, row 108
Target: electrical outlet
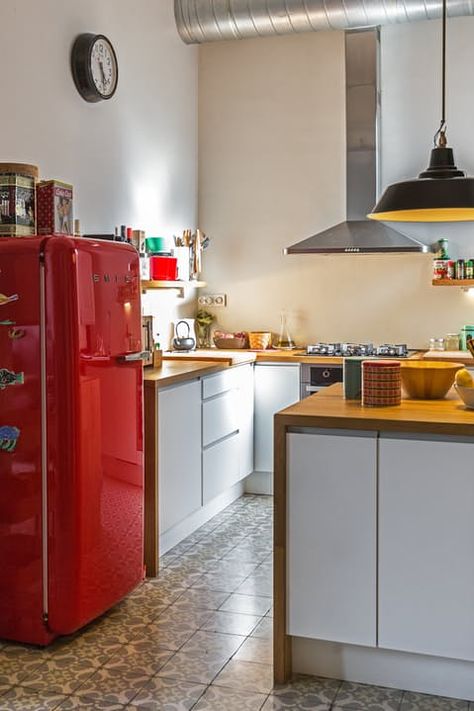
column 213, row 300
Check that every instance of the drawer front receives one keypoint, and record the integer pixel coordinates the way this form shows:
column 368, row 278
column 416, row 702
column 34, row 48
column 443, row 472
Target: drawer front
column 219, row 417
column 221, row 468
column 220, row 383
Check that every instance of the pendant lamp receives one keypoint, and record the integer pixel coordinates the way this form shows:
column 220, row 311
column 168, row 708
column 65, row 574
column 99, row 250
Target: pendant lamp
column 441, row 193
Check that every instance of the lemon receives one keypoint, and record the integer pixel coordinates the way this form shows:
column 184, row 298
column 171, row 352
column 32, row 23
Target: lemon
column 464, row 378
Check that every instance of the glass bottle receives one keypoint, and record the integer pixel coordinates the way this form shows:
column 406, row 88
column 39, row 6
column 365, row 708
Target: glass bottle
column 285, row 341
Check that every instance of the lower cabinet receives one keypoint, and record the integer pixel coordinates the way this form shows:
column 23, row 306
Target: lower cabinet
column 332, row 537
column 426, row 546
column 179, row 452
column 220, row 467
column 276, row 387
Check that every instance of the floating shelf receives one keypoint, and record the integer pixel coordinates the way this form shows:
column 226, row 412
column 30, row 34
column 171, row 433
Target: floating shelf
column 463, row 283
column 180, row 285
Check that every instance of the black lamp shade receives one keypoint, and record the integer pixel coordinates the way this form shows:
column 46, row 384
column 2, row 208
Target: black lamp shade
column 441, row 193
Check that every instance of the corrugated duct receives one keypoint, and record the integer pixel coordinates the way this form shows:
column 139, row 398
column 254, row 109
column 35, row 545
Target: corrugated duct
column 211, row 20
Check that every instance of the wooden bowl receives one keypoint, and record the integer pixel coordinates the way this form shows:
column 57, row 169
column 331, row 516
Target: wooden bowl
column 260, row 340
column 427, row 379
column 229, row 343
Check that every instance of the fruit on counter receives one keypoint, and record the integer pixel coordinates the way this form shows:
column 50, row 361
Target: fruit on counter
column 225, row 334
column 464, row 378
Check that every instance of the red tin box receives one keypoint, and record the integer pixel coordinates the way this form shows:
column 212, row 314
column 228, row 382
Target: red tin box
column 54, row 213
column 163, row 268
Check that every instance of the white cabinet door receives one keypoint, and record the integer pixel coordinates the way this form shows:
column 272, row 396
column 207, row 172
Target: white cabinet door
column 245, row 400
column 276, row 387
column 426, row 546
column 179, row 452
column 332, row 558
column 220, row 467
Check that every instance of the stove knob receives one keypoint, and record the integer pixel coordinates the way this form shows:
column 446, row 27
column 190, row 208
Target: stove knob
column 326, row 374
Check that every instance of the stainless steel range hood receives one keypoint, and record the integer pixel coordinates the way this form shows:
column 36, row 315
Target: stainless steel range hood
column 358, row 235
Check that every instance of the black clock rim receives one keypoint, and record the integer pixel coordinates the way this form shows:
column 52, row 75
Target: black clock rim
column 81, row 54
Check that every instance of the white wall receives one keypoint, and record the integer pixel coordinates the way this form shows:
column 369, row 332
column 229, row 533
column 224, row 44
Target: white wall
column 133, row 159
column 272, row 172
column 411, row 109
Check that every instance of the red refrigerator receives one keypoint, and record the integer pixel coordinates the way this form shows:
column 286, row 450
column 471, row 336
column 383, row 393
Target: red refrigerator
column 71, row 433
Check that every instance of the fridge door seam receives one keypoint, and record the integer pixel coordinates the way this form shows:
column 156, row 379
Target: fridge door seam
column 44, row 442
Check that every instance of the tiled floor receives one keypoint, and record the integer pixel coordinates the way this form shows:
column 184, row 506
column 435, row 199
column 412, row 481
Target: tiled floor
column 198, row 637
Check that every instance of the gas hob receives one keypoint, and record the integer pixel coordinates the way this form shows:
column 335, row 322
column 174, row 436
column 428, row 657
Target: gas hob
column 387, row 350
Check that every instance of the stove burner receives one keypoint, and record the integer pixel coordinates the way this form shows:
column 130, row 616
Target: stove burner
column 387, row 350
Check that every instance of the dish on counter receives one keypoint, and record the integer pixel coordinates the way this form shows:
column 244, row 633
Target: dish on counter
column 428, row 380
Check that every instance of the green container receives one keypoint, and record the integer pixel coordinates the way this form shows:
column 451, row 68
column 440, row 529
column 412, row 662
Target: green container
column 352, row 377
column 155, row 245
column 465, row 332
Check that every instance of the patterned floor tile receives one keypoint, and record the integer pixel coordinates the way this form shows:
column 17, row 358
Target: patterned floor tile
column 17, row 662
column 247, row 604
column 220, row 582
column 170, row 635
column 425, row 702
column 117, row 686
column 231, row 623
column 297, row 702
column 143, row 657
column 255, row 649
column 74, row 703
column 204, row 599
column 189, row 667
column 219, row 698
column 264, row 629
column 365, row 697
column 60, row 677
column 161, row 694
column 213, row 645
column 257, row 585
column 248, row 676
column 4, row 688
column 20, row 699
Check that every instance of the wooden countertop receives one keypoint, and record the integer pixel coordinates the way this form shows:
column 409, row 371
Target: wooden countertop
column 451, row 357
column 173, row 371
column 241, row 356
column 328, row 409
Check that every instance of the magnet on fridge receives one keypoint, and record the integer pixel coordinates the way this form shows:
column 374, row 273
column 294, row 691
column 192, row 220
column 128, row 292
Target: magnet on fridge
column 9, row 438
column 15, row 333
column 8, row 299
column 8, row 377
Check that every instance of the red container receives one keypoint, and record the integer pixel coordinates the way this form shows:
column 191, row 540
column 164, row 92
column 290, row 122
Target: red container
column 163, row 268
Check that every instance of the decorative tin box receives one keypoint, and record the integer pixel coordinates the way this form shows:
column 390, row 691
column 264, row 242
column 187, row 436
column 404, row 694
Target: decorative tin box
column 54, row 213
column 17, row 199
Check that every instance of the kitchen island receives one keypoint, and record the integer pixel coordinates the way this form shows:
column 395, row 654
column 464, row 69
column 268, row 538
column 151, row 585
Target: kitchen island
column 374, row 543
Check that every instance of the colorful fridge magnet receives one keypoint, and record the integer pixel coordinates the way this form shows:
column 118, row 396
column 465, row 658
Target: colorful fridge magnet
column 9, row 438
column 15, row 333
column 8, row 377
column 8, row 299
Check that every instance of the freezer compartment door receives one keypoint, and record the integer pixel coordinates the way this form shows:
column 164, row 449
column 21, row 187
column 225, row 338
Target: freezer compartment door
column 95, row 428
column 21, row 605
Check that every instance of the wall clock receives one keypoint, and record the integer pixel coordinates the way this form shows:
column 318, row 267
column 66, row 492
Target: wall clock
column 94, row 67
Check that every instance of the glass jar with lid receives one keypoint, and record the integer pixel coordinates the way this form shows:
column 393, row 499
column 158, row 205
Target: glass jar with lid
column 437, row 344
column 451, row 342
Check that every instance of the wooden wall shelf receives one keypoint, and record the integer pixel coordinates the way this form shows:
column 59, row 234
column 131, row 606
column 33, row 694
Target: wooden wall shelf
column 180, row 285
column 463, row 283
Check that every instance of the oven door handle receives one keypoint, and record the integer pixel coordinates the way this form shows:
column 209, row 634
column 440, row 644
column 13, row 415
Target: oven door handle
column 312, row 389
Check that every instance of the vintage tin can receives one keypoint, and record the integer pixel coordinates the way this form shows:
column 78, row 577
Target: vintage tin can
column 451, row 269
column 54, row 208
column 17, row 199
column 381, row 383
column 460, row 269
column 440, row 268
column 469, row 269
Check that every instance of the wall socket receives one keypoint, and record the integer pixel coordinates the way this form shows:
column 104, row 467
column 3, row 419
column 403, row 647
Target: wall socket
column 212, row 300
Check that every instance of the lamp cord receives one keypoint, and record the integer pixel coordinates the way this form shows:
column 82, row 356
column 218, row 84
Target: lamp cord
column 440, row 135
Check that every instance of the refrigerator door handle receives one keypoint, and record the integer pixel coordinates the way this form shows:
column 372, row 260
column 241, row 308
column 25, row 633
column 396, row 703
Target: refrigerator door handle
column 132, row 357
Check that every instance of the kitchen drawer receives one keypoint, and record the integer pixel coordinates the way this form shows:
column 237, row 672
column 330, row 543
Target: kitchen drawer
column 220, row 383
column 221, row 467
column 219, row 417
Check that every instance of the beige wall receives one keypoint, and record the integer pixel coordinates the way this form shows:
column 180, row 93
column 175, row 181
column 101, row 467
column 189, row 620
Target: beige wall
column 271, row 172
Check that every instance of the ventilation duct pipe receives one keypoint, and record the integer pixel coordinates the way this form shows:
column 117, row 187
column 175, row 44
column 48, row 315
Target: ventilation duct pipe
column 210, row 20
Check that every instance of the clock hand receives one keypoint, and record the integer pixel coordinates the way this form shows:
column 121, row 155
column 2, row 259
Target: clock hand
column 104, row 80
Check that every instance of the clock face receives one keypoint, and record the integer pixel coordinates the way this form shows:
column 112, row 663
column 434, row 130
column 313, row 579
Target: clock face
column 94, row 67
column 103, row 64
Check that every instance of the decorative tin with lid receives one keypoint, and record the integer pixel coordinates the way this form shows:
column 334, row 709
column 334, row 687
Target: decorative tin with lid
column 17, row 199
column 381, row 383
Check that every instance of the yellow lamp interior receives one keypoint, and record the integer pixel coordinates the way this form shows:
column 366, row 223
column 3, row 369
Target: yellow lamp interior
column 438, row 214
